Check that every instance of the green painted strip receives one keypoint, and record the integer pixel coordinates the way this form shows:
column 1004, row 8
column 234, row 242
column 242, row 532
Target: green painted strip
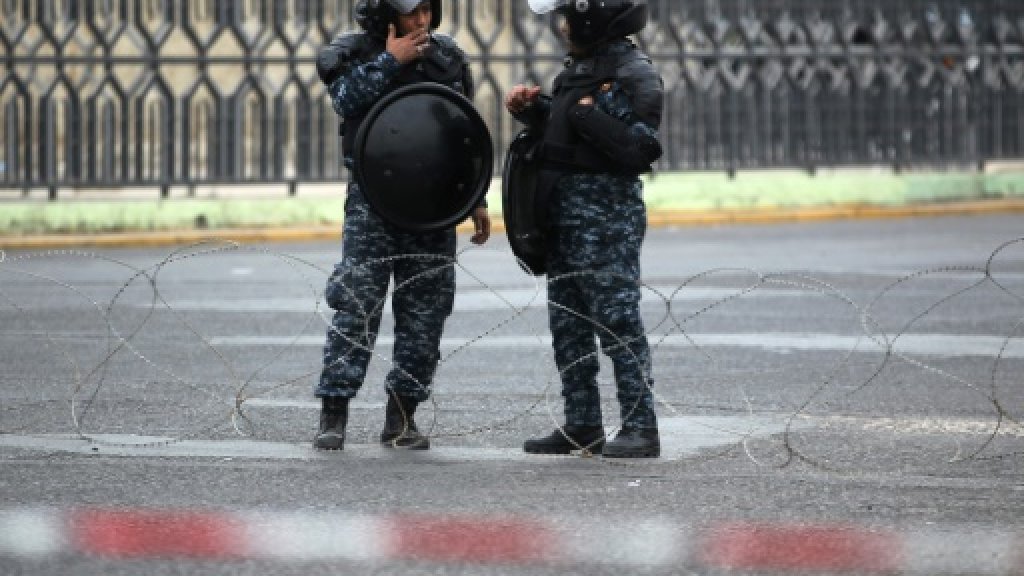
column 83, row 217
column 676, row 191
column 767, row 189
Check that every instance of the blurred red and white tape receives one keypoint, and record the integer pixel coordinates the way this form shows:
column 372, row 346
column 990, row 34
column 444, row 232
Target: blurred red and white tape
column 653, row 542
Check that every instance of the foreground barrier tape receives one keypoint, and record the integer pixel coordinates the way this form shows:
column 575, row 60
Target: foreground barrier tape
column 802, row 547
column 287, row 537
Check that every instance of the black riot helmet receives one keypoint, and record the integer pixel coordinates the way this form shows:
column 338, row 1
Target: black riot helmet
column 592, row 22
column 375, row 15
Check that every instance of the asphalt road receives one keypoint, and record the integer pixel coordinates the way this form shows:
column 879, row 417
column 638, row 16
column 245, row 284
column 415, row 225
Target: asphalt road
column 861, row 373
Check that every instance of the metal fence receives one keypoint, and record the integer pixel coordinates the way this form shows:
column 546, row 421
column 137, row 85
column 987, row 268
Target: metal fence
column 162, row 93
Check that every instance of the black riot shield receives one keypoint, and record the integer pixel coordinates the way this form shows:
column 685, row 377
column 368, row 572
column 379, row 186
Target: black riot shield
column 423, row 157
column 524, row 202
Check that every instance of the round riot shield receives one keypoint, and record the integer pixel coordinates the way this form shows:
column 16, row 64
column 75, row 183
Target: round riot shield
column 423, row 157
column 524, row 203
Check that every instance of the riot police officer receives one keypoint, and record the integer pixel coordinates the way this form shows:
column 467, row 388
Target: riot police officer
column 396, row 47
column 600, row 132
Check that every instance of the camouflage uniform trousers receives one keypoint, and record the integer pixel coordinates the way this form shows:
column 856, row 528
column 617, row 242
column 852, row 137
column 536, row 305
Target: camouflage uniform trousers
column 422, row 266
column 599, row 222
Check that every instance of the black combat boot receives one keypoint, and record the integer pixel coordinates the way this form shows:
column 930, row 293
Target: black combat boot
column 399, row 427
column 333, row 418
column 566, row 439
column 634, row 443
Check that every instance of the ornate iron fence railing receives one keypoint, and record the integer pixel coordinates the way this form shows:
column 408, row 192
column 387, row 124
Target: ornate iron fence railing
column 161, row 93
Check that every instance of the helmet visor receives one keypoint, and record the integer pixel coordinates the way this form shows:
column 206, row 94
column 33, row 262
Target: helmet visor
column 545, row 6
column 405, row 6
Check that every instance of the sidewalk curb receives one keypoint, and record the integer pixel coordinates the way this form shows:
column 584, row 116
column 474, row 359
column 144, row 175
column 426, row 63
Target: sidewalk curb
column 656, row 219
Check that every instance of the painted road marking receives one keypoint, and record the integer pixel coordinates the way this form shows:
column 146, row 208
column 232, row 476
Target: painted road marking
column 904, row 425
column 680, row 437
column 931, row 426
column 313, row 404
column 932, row 345
column 465, row 300
column 938, row 345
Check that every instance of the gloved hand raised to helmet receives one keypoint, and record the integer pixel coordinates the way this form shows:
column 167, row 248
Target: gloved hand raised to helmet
column 408, row 47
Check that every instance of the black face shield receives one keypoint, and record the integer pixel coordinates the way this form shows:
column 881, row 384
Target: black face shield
column 594, row 21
